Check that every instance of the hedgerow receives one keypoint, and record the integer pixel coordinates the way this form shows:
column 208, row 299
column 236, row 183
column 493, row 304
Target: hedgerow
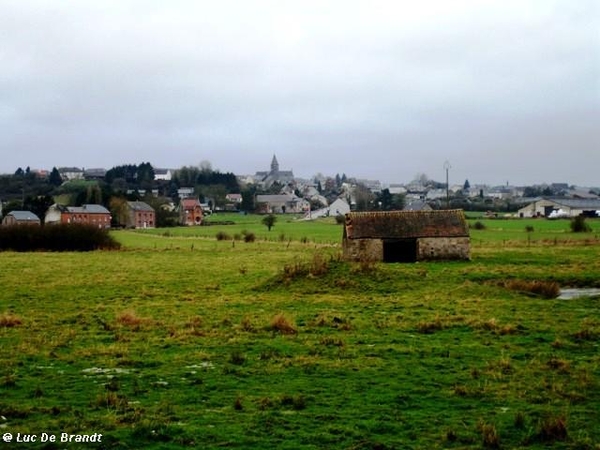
column 56, row 238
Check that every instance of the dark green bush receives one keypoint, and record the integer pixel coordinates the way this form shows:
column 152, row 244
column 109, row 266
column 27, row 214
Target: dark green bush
column 222, row 236
column 56, row 238
column 249, row 237
column 579, row 225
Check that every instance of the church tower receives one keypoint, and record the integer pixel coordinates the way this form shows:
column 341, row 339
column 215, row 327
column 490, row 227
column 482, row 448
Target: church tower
column 274, row 165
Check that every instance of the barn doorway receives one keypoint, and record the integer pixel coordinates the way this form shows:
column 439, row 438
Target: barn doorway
column 400, row 250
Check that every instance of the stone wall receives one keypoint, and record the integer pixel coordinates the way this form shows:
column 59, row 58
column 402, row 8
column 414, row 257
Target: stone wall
column 427, row 249
column 443, row 248
column 363, row 249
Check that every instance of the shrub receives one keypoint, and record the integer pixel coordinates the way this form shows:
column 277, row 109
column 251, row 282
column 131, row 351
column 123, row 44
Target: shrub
column 579, row 225
column 269, row 221
column 478, row 225
column 249, row 236
column 222, row 236
column 339, row 219
column 529, row 228
column 56, row 238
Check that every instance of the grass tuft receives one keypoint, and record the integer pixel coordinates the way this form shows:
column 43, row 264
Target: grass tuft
column 237, row 358
column 238, row 404
column 544, row 289
column 111, row 400
column 489, row 435
column 553, row 428
column 317, row 267
column 129, row 319
column 588, row 332
column 329, row 341
column 9, row 320
column 519, row 420
column 558, row 364
column 247, row 325
column 430, row 327
column 281, row 324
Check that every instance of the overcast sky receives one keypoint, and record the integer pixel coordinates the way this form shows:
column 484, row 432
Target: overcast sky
column 506, row 91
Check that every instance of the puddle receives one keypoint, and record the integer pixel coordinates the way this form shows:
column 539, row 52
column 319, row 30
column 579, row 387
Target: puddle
column 571, row 293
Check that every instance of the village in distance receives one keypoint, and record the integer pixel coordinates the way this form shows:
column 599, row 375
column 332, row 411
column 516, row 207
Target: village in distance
column 142, row 196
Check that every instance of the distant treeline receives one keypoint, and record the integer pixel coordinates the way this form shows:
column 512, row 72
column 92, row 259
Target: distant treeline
column 56, row 238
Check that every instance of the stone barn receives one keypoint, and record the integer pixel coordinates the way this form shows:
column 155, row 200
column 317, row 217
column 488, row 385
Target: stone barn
column 406, row 236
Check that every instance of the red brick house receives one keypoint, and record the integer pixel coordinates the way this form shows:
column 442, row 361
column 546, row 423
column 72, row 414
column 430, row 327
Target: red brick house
column 96, row 215
column 190, row 212
column 140, row 215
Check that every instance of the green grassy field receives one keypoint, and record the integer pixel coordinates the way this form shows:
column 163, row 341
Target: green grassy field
column 183, row 341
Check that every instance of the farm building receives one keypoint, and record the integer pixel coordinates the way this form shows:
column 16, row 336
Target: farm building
column 21, row 218
column 281, row 204
column 406, row 236
column 556, row 207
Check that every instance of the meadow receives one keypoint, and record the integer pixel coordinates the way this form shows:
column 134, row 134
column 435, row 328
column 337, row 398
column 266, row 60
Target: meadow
column 181, row 340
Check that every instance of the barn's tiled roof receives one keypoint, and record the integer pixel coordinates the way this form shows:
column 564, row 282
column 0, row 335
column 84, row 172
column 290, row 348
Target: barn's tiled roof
column 406, row 224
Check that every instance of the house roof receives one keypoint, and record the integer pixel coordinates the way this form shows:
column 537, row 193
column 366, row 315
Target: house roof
column 24, row 216
column 275, row 198
column 234, row 196
column 95, row 172
column 577, row 203
column 417, row 205
column 190, row 203
column 406, row 224
column 88, row 209
column 140, row 206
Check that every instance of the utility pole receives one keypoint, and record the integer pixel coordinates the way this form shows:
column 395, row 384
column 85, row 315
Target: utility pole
column 447, row 167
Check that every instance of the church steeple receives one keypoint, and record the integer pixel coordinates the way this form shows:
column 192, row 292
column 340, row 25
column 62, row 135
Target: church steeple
column 274, row 165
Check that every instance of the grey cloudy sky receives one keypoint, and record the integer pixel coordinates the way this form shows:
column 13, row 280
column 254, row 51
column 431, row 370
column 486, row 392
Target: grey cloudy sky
column 506, row 90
